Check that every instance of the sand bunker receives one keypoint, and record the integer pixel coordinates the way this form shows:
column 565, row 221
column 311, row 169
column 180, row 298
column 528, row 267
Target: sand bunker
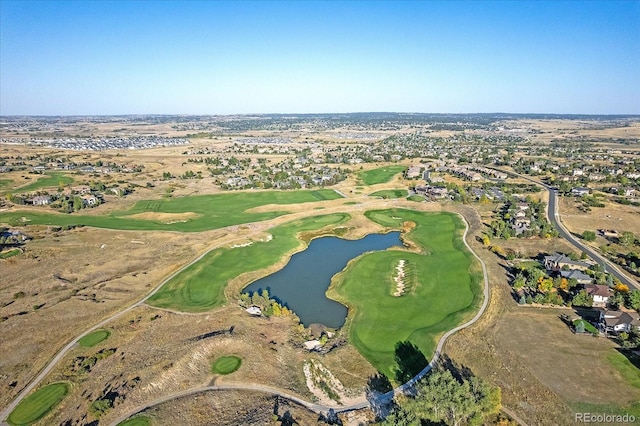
column 399, row 278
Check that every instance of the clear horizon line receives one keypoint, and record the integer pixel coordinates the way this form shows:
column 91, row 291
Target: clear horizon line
column 323, row 113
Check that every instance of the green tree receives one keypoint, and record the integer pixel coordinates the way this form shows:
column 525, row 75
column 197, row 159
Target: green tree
column 582, row 299
column 589, row 236
column 627, row 238
column 632, row 300
column 77, row 203
column 440, row 397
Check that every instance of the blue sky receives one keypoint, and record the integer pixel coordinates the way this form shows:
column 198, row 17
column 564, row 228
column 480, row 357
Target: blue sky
column 197, row 57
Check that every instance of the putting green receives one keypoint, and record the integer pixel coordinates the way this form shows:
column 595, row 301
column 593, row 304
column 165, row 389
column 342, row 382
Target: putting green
column 38, row 404
column 442, row 289
column 380, row 175
column 210, row 211
column 201, row 286
column 226, row 364
column 94, row 338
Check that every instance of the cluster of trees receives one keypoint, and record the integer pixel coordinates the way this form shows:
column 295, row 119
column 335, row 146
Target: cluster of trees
column 629, row 340
column 441, row 398
column 269, row 306
column 533, row 285
column 503, row 225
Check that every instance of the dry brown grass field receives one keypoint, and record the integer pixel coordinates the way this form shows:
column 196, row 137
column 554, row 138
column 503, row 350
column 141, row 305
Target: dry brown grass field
column 613, row 216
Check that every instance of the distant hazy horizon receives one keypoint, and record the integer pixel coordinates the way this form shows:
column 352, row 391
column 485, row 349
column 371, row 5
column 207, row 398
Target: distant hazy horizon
column 242, row 58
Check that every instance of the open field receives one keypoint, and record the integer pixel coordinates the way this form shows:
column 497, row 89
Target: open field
column 446, row 290
column 94, row 338
column 380, row 175
column 613, row 216
column 201, row 286
column 38, row 404
column 208, row 212
column 391, row 193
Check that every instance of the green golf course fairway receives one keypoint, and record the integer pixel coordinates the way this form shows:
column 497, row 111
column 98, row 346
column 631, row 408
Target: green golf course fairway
column 50, row 180
column 380, row 175
column 444, row 290
column 94, row 338
column 200, row 287
column 38, row 404
column 213, row 211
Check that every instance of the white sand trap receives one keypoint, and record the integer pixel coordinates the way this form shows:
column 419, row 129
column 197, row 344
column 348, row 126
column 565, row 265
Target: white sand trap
column 399, row 278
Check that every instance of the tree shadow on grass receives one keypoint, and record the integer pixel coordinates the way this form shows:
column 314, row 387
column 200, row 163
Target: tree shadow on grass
column 460, row 372
column 410, row 361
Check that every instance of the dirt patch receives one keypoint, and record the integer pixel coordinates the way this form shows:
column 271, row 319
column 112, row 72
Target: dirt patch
column 167, row 218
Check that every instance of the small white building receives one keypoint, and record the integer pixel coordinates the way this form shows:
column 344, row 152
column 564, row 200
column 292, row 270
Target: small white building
column 254, row 310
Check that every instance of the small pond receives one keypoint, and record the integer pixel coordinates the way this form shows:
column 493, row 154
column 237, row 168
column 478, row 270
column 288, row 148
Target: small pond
column 302, row 283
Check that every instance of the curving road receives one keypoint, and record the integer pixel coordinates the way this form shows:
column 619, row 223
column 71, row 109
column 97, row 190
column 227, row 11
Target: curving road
column 553, row 215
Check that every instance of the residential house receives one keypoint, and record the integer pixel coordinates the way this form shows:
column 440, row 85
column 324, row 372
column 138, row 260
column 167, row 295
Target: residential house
column 579, row 276
column 580, row 191
column 600, row 294
column 619, row 321
column 521, row 224
column 559, row 261
column 41, row 200
column 89, row 200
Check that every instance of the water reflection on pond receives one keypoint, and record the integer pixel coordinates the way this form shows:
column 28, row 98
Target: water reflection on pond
column 302, row 283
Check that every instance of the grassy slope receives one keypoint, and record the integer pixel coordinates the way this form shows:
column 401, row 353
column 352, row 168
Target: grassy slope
column 200, row 287
column 380, row 175
column 38, row 404
column 216, row 211
column 446, row 292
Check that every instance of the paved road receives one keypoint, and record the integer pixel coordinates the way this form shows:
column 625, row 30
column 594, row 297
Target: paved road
column 553, row 215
